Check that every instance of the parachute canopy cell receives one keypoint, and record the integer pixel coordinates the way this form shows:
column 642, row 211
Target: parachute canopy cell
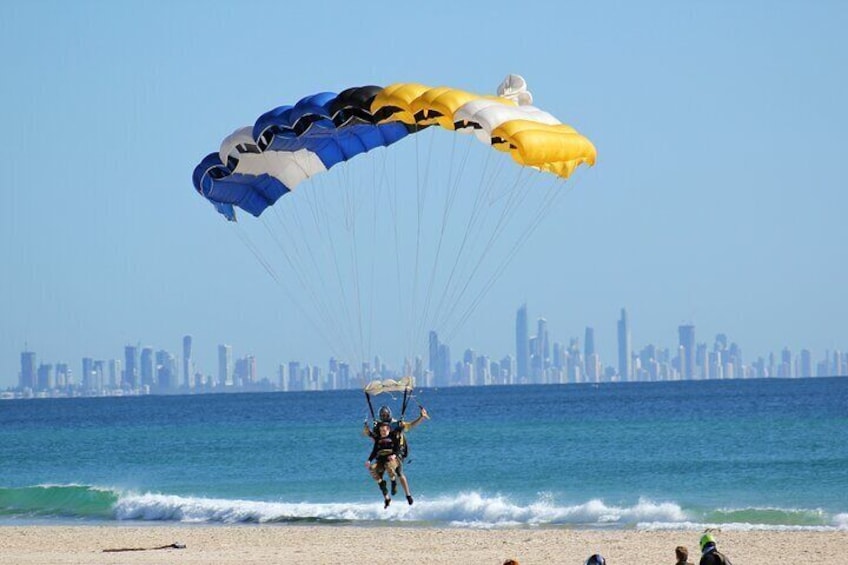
column 256, row 165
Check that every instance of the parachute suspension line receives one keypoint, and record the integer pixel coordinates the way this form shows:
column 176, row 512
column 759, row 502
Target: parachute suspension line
column 297, row 267
column 375, row 186
column 351, row 213
column 515, row 195
column 553, row 194
column 467, row 238
column 354, row 227
column 298, row 232
column 453, row 183
column 347, row 220
column 392, row 198
column 419, row 198
column 245, row 239
column 422, row 189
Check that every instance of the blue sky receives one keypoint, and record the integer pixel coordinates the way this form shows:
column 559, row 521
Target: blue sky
column 718, row 198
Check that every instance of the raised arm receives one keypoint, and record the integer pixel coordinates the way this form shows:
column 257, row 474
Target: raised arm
column 422, row 416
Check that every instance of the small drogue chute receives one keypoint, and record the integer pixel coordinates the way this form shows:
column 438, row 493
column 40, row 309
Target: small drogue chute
column 404, row 385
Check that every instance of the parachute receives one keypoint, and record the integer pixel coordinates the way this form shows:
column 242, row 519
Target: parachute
column 280, row 168
column 257, row 165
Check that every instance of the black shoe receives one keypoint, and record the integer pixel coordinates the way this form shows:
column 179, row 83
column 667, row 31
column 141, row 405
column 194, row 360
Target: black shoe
column 388, row 501
column 409, row 499
column 394, row 488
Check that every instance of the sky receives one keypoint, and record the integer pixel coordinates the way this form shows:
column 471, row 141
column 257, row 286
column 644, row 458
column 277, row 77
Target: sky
column 718, row 198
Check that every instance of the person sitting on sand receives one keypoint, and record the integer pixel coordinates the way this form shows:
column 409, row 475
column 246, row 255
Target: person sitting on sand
column 384, row 459
column 682, row 554
column 709, row 554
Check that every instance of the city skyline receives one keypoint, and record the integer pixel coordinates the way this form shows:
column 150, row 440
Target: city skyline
column 536, row 359
column 716, row 199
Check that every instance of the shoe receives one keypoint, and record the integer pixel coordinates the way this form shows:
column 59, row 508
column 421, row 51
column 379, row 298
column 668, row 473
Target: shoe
column 394, row 488
column 409, row 499
column 387, row 502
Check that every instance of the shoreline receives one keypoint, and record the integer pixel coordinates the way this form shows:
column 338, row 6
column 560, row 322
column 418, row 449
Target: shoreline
column 394, row 545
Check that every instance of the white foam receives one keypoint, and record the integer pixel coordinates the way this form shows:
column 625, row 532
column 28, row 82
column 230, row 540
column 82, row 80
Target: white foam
column 465, row 510
column 840, row 521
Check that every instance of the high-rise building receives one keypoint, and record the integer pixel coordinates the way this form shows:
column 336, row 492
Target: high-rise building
column 686, row 334
column 88, row 374
column 295, row 377
column 543, row 347
column 806, row 369
column 244, row 372
column 130, row 379
column 63, row 375
column 625, row 367
column 433, row 357
column 188, row 369
column 443, row 375
column 45, row 377
column 589, row 343
column 114, row 373
column 522, row 345
column 148, row 367
column 166, row 371
column 29, row 374
column 225, row 365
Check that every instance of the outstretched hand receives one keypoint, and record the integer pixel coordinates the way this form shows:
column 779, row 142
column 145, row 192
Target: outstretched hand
column 424, row 413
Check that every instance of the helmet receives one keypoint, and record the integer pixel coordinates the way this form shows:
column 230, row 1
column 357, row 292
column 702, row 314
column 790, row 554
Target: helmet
column 596, row 559
column 385, row 414
column 705, row 539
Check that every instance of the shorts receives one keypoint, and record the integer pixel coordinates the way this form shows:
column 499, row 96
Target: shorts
column 391, row 466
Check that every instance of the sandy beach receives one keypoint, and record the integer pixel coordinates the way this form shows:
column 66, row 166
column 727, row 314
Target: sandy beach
column 31, row 545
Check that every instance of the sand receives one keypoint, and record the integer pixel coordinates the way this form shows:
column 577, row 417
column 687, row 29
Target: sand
column 265, row 544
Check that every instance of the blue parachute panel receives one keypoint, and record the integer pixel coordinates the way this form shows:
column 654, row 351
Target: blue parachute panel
column 311, row 124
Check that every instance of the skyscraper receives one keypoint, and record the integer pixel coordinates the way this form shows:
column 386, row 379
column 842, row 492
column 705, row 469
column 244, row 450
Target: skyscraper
column 188, row 371
column 806, row 363
column 225, row 364
column 522, row 345
column 687, row 351
column 543, row 346
column 433, row 357
column 88, row 374
column 589, row 343
column 625, row 371
column 148, row 367
column 130, row 379
column 29, row 374
column 114, row 373
column 45, row 377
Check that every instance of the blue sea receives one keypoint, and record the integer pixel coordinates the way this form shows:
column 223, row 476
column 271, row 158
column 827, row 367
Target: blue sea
column 757, row 454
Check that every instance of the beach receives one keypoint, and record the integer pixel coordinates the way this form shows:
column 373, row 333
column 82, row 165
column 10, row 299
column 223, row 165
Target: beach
column 246, row 544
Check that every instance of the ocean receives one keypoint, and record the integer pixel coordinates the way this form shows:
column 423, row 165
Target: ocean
column 736, row 454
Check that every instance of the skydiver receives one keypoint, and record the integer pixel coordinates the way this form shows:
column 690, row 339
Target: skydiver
column 398, row 429
column 384, row 458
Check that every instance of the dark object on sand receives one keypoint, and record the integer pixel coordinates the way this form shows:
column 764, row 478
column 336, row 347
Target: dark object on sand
column 169, row 546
